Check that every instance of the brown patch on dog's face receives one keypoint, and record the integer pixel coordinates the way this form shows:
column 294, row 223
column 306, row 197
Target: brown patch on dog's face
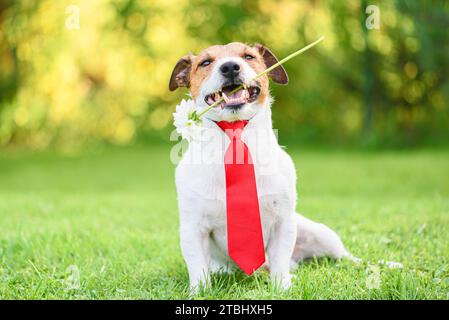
column 191, row 71
column 200, row 72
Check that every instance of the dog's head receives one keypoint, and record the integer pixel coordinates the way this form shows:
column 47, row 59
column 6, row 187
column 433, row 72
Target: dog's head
column 218, row 70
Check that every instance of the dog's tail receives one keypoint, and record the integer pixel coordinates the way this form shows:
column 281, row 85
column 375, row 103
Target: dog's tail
column 318, row 240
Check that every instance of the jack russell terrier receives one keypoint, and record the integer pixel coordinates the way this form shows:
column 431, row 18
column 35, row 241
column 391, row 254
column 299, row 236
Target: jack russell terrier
column 286, row 237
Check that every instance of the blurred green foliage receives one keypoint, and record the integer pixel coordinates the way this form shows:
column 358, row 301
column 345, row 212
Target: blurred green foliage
column 108, row 79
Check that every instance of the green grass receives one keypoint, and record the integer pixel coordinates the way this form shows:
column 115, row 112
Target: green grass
column 113, row 215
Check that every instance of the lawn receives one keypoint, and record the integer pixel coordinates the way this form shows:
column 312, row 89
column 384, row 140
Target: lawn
column 109, row 219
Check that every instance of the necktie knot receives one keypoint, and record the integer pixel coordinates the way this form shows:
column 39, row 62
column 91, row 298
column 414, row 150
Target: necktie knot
column 233, row 129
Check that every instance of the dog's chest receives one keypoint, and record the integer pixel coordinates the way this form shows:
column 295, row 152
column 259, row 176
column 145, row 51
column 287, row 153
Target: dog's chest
column 214, row 218
column 206, row 185
column 201, row 182
column 202, row 169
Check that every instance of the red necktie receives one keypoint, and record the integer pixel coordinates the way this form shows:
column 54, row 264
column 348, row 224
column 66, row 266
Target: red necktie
column 245, row 239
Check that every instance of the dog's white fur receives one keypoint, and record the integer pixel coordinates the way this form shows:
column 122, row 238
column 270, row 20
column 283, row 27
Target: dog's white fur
column 288, row 236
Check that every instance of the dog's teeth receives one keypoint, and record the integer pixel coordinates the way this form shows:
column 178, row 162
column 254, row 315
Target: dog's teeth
column 225, row 97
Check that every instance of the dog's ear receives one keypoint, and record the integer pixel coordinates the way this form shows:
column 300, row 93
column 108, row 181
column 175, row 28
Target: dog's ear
column 278, row 74
column 180, row 77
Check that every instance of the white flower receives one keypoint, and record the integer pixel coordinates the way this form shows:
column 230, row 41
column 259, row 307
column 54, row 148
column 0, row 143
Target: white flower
column 186, row 122
column 391, row 264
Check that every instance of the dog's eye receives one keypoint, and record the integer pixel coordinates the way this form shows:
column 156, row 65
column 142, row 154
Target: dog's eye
column 205, row 63
column 249, row 57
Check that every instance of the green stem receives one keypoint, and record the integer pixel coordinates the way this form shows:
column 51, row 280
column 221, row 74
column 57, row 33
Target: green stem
column 274, row 66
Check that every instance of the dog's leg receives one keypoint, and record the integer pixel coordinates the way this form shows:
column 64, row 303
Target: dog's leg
column 280, row 251
column 195, row 250
column 219, row 262
column 317, row 240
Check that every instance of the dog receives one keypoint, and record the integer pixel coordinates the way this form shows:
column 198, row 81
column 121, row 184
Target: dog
column 288, row 237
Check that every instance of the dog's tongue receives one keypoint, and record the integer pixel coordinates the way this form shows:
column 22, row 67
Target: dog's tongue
column 234, row 98
column 234, row 95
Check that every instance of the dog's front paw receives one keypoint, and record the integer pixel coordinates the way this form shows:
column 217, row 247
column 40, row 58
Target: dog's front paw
column 220, row 268
column 199, row 284
column 193, row 290
column 282, row 281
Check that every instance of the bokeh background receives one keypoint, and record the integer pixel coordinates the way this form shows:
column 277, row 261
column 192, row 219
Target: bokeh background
column 107, row 82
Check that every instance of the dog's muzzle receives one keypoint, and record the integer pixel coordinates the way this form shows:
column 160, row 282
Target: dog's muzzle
column 234, row 99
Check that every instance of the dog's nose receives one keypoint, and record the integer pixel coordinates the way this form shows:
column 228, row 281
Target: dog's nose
column 230, row 69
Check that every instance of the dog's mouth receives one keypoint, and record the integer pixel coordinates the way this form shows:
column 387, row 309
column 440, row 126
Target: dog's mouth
column 233, row 99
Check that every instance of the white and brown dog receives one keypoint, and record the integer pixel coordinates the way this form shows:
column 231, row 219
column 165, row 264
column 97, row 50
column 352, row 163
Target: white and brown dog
column 288, row 236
